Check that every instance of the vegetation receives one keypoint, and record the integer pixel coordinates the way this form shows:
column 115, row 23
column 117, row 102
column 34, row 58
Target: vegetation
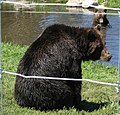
column 94, row 94
column 111, row 3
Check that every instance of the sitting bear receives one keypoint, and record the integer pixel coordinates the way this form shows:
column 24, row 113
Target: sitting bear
column 58, row 52
column 101, row 18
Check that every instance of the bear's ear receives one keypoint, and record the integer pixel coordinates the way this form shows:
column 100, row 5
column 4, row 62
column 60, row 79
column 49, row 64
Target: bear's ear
column 98, row 27
column 105, row 10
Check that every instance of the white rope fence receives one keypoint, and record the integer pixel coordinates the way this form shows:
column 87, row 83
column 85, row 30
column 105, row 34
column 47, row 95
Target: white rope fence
column 58, row 4
column 103, row 7
column 35, row 4
column 63, row 79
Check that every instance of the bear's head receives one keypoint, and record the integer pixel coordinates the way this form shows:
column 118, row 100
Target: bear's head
column 100, row 14
column 96, row 45
column 100, row 17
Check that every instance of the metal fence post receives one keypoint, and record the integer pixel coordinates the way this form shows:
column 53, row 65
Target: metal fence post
column 1, row 104
column 118, row 89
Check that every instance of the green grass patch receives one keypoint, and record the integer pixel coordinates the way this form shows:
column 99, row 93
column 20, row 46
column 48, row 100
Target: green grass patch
column 7, row 7
column 94, row 94
column 111, row 3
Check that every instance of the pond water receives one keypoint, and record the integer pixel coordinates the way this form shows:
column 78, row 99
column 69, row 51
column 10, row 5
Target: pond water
column 24, row 27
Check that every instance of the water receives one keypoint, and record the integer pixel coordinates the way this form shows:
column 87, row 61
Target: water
column 24, row 28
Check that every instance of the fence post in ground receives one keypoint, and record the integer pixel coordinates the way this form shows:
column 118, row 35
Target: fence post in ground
column 118, row 89
column 1, row 105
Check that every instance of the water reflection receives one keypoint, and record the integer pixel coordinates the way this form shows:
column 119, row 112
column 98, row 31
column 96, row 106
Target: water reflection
column 23, row 28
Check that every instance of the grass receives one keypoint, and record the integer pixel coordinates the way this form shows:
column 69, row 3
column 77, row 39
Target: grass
column 111, row 3
column 94, row 94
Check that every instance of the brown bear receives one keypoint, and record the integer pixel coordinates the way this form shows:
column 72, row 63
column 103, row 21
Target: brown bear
column 100, row 17
column 58, row 52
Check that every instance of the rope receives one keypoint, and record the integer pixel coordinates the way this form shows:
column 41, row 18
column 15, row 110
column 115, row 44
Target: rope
column 86, row 13
column 59, row 4
column 103, row 7
column 56, row 12
column 34, row 4
column 63, row 79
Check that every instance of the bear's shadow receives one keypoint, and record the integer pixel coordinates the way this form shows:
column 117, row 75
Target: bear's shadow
column 91, row 106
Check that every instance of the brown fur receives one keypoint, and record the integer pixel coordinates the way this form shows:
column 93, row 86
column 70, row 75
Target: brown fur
column 58, row 52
